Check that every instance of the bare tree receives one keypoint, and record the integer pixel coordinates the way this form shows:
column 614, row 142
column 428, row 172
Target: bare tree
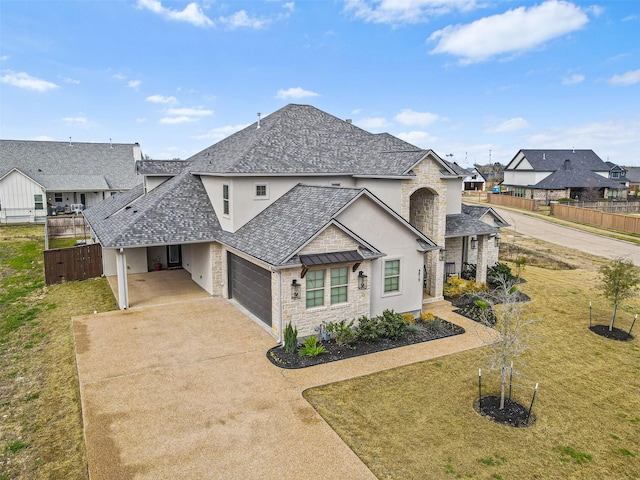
column 511, row 322
column 618, row 281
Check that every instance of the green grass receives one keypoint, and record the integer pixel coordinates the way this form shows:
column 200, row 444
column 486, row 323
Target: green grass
column 418, row 421
column 41, row 428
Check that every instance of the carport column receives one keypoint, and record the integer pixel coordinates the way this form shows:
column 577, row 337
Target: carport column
column 123, row 288
column 481, row 262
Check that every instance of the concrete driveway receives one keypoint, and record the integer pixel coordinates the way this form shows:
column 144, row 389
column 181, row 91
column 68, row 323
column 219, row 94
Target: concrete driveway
column 184, row 390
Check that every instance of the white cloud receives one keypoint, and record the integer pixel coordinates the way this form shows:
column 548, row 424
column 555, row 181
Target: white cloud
column 374, row 123
column 397, row 12
column 80, row 121
column 289, row 6
column 220, row 132
column 4, row 57
column 70, row 80
column 420, row 119
column 295, row 92
column 119, row 76
column 141, row 120
column 162, row 99
column 43, row 138
column 133, row 83
column 24, row 80
column 510, row 125
column 418, row 138
column 176, row 120
column 190, row 112
column 625, row 79
column 241, row 19
column 514, row 31
column 192, row 13
column 573, row 79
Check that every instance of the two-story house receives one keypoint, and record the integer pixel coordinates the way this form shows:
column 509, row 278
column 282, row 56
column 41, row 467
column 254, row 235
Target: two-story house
column 301, row 217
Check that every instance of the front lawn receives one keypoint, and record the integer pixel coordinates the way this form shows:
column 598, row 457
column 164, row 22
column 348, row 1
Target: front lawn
column 418, row 422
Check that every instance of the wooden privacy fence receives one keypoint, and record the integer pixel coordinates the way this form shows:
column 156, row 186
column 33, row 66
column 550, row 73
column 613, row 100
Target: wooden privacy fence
column 623, row 223
column 76, row 263
column 511, row 201
column 67, row 226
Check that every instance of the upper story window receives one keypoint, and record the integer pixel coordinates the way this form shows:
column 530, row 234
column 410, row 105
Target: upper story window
column 339, row 284
column 225, row 199
column 615, row 174
column 57, row 197
column 391, row 276
column 37, row 200
column 261, row 191
column 315, row 288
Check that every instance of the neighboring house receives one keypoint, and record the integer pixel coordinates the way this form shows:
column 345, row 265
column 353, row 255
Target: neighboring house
column 302, row 218
column 473, row 180
column 38, row 177
column 548, row 175
column 617, row 173
column 633, row 177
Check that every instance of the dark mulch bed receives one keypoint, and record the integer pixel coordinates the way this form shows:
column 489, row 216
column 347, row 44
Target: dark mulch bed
column 466, row 306
column 334, row 352
column 615, row 334
column 513, row 414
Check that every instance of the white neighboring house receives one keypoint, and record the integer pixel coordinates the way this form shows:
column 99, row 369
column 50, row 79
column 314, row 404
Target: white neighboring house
column 303, row 218
column 473, row 181
column 39, row 177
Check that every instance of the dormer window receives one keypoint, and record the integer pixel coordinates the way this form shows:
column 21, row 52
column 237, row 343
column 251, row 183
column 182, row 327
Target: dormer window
column 225, row 199
column 260, row 191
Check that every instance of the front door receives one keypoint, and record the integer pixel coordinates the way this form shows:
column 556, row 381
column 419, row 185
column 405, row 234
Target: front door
column 174, row 256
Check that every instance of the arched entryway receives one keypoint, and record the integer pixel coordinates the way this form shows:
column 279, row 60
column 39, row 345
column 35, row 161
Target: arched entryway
column 422, row 211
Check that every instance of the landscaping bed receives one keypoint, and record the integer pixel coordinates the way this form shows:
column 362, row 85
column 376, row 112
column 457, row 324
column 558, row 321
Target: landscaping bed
column 614, row 334
column 418, row 333
column 513, row 414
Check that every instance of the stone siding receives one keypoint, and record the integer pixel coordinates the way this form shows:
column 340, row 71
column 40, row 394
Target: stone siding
column 332, row 239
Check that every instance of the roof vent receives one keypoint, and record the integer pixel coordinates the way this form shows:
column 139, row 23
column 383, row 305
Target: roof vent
column 574, row 149
column 110, row 144
column 258, row 121
column 348, row 120
column 567, row 164
column 544, row 156
column 70, row 141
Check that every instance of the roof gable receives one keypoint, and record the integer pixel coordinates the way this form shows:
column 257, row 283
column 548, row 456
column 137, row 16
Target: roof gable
column 552, row 160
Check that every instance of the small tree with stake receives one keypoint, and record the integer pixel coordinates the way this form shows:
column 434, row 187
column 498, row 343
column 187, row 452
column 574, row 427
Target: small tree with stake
column 511, row 324
column 618, row 281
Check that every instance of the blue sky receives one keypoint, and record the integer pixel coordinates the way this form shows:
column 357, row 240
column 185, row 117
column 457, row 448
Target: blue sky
column 474, row 79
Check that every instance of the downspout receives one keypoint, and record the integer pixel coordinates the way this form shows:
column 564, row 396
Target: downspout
column 280, row 337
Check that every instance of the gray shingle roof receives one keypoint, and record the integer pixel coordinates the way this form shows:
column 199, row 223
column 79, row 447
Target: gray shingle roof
column 551, row 160
column 463, row 225
column 633, row 174
column 160, row 167
column 300, row 139
column 280, row 230
column 561, row 179
column 479, row 211
column 72, row 167
column 178, row 211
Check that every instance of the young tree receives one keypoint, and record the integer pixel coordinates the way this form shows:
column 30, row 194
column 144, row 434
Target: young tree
column 618, row 281
column 511, row 322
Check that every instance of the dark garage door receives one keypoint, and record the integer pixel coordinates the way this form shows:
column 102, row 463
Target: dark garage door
column 250, row 286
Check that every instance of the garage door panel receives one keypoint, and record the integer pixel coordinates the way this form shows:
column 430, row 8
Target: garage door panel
column 250, row 286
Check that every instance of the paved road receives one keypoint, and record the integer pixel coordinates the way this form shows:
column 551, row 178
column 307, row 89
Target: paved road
column 570, row 237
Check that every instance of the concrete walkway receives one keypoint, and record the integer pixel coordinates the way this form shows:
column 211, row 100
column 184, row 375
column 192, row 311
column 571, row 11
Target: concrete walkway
column 184, row 390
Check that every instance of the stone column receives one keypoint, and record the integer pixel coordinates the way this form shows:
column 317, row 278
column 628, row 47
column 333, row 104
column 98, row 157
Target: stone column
column 481, row 262
column 121, row 271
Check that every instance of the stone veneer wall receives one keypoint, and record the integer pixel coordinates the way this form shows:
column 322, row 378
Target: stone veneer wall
column 307, row 319
column 427, row 175
column 218, row 270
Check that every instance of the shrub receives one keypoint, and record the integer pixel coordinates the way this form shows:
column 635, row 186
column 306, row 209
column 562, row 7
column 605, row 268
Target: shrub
column 497, row 272
column 310, row 348
column 367, row 329
column 409, row 318
column 290, row 339
column 469, row 271
column 427, row 317
column 342, row 332
column 436, row 325
column 453, row 287
column 391, row 324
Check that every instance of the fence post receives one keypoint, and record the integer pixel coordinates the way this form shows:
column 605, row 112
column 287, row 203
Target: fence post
column 590, row 313
column 532, row 400
column 510, row 379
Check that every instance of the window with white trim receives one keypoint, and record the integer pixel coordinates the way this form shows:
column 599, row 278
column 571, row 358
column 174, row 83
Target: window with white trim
column 315, row 288
column 260, row 191
column 339, row 284
column 391, row 276
column 225, row 199
column 37, row 200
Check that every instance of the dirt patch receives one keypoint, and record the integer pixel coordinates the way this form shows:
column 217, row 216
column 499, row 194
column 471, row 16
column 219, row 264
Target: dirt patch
column 513, row 414
column 614, row 334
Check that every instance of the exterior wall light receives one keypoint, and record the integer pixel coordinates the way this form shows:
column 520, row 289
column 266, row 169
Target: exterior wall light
column 295, row 289
column 443, row 254
column 474, row 243
column 497, row 240
column 362, row 281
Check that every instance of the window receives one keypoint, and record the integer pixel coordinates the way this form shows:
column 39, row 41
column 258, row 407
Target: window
column 225, row 199
column 391, row 276
column 334, row 184
column 37, row 199
column 615, row 174
column 57, row 197
column 339, row 284
column 261, row 190
column 315, row 288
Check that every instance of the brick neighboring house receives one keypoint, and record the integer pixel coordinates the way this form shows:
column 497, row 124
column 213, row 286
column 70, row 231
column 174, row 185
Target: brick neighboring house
column 38, row 177
column 548, row 175
column 304, row 218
